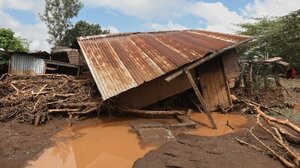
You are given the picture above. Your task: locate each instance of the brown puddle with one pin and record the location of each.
(236, 121)
(111, 144)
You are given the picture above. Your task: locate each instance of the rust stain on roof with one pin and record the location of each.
(119, 62)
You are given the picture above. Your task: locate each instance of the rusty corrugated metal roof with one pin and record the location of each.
(119, 62)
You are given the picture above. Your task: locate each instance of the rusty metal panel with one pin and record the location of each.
(26, 65)
(120, 62)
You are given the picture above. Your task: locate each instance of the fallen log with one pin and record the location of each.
(148, 112)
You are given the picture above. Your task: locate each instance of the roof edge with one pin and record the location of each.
(151, 32)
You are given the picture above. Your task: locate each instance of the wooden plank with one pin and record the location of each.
(223, 98)
(200, 98)
(226, 84)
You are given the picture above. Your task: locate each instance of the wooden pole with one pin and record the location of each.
(200, 98)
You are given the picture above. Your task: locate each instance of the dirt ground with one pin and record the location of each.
(208, 152)
(22, 142)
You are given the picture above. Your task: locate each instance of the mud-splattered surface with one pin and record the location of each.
(208, 152)
(21, 142)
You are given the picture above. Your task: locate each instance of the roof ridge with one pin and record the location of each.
(150, 32)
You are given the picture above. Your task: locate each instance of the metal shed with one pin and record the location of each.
(22, 63)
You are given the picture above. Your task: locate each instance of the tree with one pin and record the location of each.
(275, 36)
(57, 16)
(10, 43)
(82, 28)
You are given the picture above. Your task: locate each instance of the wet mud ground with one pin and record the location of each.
(93, 143)
(112, 143)
(191, 151)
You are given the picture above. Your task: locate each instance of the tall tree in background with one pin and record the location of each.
(10, 43)
(57, 16)
(275, 36)
(81, 28)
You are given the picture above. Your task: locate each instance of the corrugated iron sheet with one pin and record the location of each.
(26, 65)
(120, 62)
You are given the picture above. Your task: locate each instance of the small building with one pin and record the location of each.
(139, 69)
(22, 63)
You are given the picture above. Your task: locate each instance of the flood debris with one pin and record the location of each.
(32, 99)
(281, 131)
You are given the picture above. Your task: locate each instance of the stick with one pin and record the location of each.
(17, 90)
(280, 142)
(229, 125)
(287, 136)
(62, 110)
(277, 120)
(153, 112)
(282, 159)
(85, 112)
(40, 90)
(34, 107)
(249, 145)
(37, 119)
(64, 95)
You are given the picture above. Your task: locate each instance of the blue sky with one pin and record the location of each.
(144, 15)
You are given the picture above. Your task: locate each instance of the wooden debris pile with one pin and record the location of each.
(31, 99)
(284, 134)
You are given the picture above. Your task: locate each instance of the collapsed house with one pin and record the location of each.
(140, 69)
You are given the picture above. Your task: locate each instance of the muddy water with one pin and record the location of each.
(236, 121)
(111, 144)
(100, 144)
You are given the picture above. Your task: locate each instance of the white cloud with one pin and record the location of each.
(35, 34)
(216, 15)
(28, 5)
(144, 9)
(260, 8)
(169, 26)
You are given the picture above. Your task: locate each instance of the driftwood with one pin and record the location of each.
(249, 145)
(285, 122)
(148, 112)
(63, 110)
(286, 135)
(281, 136)
(280, 141)
(30, 99)
(282, 159)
